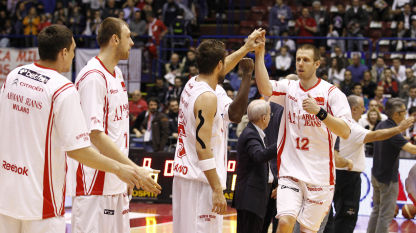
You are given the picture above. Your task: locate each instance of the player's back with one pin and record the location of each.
(186, 158)
(33, 160)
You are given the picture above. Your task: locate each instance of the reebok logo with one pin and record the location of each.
(14, 168)
(287, 187)
(108, 212)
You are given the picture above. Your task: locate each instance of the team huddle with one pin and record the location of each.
(59, 137)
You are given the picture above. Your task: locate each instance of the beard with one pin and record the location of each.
(221, 78)
(123, 54)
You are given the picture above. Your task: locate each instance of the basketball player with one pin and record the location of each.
(101, 202)
(41, 119)
(201, 154)
(315, 111)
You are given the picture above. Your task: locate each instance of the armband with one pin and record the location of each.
(322, 114)
(207, 164)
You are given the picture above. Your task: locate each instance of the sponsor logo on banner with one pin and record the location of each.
(11, 58)
(108, 212)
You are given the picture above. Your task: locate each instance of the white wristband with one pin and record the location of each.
(207, 164)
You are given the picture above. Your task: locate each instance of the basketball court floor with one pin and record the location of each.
(157, 218)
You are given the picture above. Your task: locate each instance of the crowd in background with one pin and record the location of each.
(155, 108)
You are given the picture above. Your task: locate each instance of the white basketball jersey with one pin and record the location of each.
(105, 105)
(40, 119)
(186, 158)
(305, 145)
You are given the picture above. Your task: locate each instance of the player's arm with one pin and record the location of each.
(342, 162)
(383, 134)
(204, 111)
(93, 159)
(239, 105)
(262, 77)
(232, 60)
(107, 147)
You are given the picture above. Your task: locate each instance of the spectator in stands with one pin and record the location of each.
(410, 101)
(75, 20)
(412, 34)
(322, 20)
(336, 72)
(398, 5)
(305, 26)
(137, 105)
(338, 53)
(323, 67)
(175, 91)
(154, 129)
(285, 42)
(381, 10)
(338, 24)
(20, 13)
(169, 12)
(173, 110)
(129, 8)
(333, 42)
(44, 22)
(193, 71)
(6, 30)
(398, 70)
(138, 28)
(404, 86)
(357, 69)
(400, 32)
(110, 9)
(173, 68)
(356, 19)
(368, 85)
(283, 62)
(380, 98)
(405, 16)
(377, 70)
(157, 30)
(373, 117)
(279, 17)
(347, 84)
(159, 90)
(31, 22)
(234, 79)
(365, 120)
(357, 89)
(390, 85)
(188, 61)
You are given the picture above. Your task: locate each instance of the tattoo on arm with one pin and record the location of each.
(201, 122)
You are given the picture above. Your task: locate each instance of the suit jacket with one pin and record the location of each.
(160, 130)
(252, 191)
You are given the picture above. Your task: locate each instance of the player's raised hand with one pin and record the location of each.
(147, 183)
(247, 66)
(406, 123)
(309, 105)
(219, 205)
(255, 39)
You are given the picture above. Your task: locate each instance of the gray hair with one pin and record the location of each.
(353, 100)
(256, 109)
(393, 105)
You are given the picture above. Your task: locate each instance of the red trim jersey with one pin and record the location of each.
(186, 158)
(105, 105)
(40, 118)
(305, 146)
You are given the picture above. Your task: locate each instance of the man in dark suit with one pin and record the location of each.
(271, 137)
(254, 176)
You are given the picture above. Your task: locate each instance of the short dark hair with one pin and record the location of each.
(393, 105)
(109, 27)
(316, 54)
(411, 110)
(153, 99)
(52, 39)
(208, 54)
